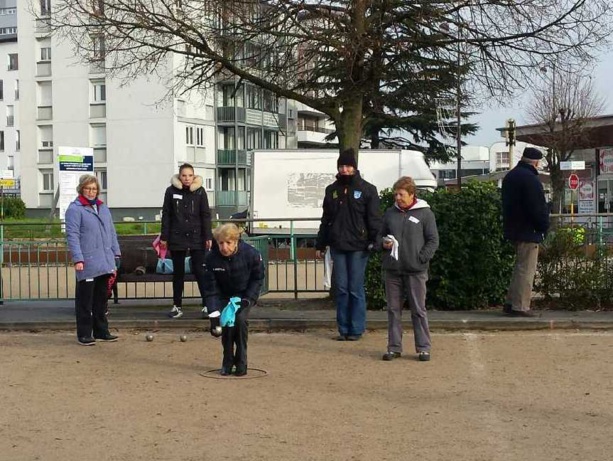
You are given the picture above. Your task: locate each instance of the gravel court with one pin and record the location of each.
(484, 396)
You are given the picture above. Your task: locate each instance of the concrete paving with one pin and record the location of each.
(279, 315)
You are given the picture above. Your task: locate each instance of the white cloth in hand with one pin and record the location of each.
(395, 246)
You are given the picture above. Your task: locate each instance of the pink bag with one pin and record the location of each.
(161, 252)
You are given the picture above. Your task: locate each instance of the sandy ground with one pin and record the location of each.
(501, 396)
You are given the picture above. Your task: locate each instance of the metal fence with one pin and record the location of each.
(36, 264)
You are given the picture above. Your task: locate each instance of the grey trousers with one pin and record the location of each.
(520, 288)
(412, 288)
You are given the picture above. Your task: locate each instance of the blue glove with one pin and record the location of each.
(228, 315)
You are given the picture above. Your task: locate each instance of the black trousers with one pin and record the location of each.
(234, 341)
(90, 307)
(178, 273)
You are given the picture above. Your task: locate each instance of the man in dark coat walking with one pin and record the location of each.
(525, 217)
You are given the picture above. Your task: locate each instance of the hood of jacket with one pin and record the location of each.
(418, 204)
(177, 184)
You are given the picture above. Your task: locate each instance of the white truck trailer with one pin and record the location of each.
(291, 183)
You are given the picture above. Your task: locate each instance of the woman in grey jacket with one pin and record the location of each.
(409, 237)
(92, 242)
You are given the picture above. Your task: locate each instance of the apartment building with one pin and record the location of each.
(139, 134)
(10, 134)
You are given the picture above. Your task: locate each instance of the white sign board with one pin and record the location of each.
(73, 162)
(574, 165)
(587, 206)
(7, 174)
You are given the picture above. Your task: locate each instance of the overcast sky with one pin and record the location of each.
(493, 118)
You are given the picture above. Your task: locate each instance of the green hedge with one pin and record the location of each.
(473, 264)
(14, 208)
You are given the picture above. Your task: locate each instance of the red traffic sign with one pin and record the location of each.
(573, 181)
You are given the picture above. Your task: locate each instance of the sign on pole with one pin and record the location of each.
(573, 165)
(573, 181)
(73, 162)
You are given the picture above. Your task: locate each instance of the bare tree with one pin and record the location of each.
(325, 53)
(562, 106)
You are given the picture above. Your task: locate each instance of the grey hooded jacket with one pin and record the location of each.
(417, 235)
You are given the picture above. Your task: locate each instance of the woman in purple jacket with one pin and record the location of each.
(92, 242)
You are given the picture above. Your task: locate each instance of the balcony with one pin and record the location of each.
(99, 155)
(97, 110)
(230, 114)
(232, 198)
(44, 113)
(43, 69)
(45, 156)
(233, 157)
(10, 120)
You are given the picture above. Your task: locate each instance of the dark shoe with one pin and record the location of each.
(215, 327)
(240, 371)
(354, 337)
(507, 309)
(87, 341)
(529, 313)
(423, 356)
(225, 371)
(109, 338)
(341, 338)
(389, 356)
(176, 312)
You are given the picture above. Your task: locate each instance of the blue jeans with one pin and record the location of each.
(348, 272)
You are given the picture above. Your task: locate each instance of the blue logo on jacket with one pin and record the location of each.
(357, 194)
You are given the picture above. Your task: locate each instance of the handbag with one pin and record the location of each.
(161, 252)
(164, 266)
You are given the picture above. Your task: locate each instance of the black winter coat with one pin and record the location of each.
(525, 215)
(241, 275)
(351, 216)
(186, 216)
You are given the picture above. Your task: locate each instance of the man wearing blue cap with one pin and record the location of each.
(525, 220)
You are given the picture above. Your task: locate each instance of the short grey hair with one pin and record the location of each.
(86, 180)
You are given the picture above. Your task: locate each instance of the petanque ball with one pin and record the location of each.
(149, 338)
(183, 338)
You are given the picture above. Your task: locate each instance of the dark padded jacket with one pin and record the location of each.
(525, 216)
(186, 216)
(241, 275)
(417, 235)
(351, 217)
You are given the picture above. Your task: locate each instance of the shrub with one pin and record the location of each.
(568, 277)
(14, 208)
(473, 264)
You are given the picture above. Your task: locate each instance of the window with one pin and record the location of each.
(189, 135)
(45, 133)
(99, 47)
(502, 158)
(47, 179)
(17, 140)
(199, 136)
(1, 140)
(98, 91)
(254, 97)
(45, 53)
(45, 7)
(98, 135)
(208, 183)
(13, 61)
(8, 30)
(10, 116)
(1, 90)
(102, 179)
(7, 11)
(16, 90)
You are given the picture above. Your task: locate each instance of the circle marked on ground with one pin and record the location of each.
(252, 373)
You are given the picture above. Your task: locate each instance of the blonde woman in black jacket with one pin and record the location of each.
(186, 227)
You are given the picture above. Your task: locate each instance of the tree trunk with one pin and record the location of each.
(349, 125)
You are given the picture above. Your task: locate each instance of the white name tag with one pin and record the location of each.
(413, 219)
(177, 196)
(89, 280)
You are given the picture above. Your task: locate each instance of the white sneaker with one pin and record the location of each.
(205, 313)
(175, 312)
